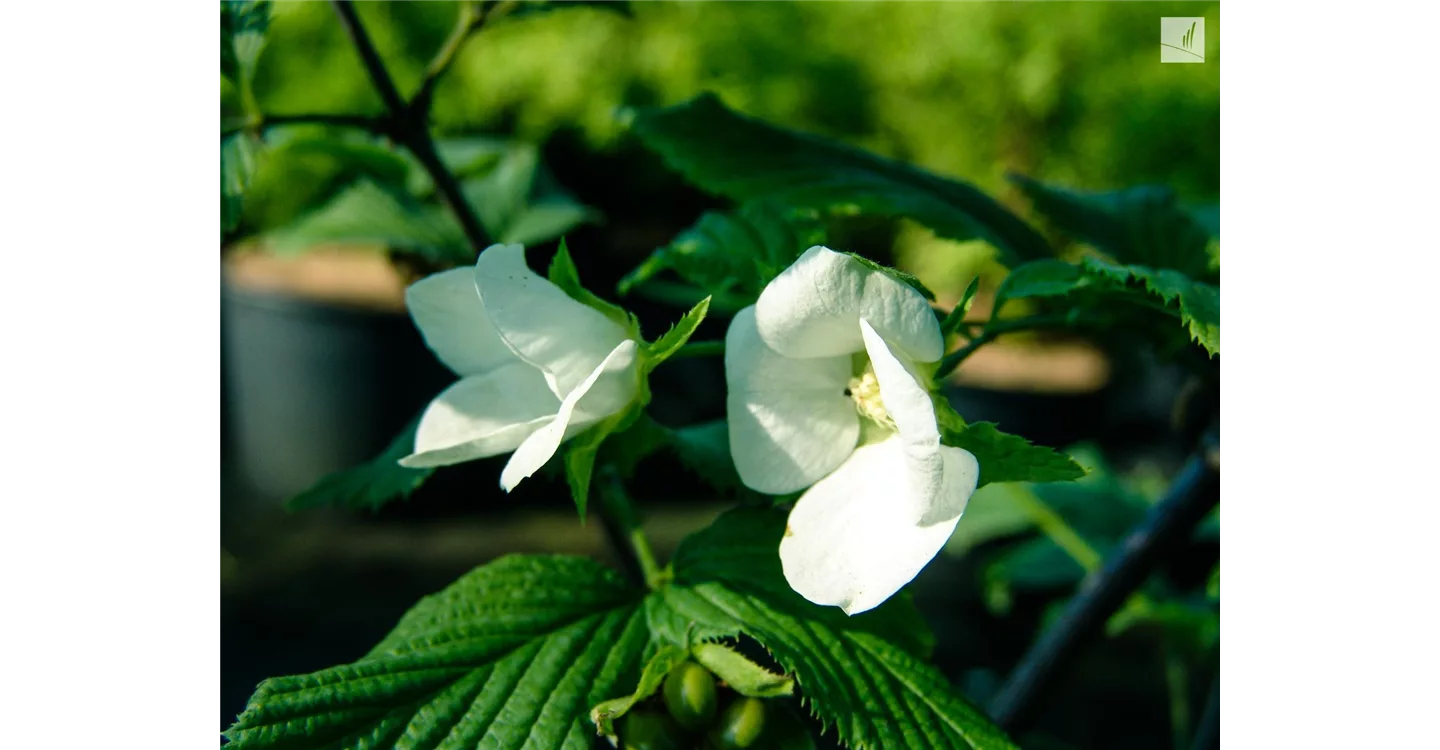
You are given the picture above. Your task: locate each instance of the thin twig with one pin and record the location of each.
(472, 19)
(995, 329)
(622, 527)
(1190, 497)
(413, 132)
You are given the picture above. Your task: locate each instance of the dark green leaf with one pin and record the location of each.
(518, 202)
(676, 337)
(1144, 225)
(243, 24)
(367, 213)
(704, 449)
(565, 275)
(1039, 278)
(580, 454)
(1196, 303)
(745, 159)
(734, 253)
(239, 155)
(513, 654)
(1011, 458)
(858, 674)
(369, 485)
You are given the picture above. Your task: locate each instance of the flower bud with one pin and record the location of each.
(690, 696)
(740, 726)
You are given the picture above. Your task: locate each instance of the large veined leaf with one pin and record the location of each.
(370, 485)
(734, 253)
(1141, 225)
(744, 158)
(1197, 303)
(512, 655)
(860, 676)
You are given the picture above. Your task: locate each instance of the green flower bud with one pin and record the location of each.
(646, 730)
(690, 696)
(740, 726)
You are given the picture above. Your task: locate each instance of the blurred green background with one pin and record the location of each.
(1072, 93)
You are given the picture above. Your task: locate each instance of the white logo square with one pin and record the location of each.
(1182, 40)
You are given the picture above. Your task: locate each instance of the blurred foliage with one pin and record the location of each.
(1068, 93)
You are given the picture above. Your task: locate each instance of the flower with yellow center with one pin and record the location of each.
(826, 392)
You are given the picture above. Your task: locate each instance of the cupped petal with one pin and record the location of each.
(541, 445)
(539, 322)
(482, 415)
(813, 308)
(446, 308)
(790, 420)
(851, 540)
(908, 404)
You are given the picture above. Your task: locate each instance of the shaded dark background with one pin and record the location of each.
(321, 367)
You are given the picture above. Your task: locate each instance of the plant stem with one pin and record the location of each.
(622, 525)
(1190, 497)
(993, 330)
(700, 349)
(377, 125)
(472, 19)
(1060, 532)
(411, 128)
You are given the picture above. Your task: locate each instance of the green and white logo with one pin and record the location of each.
(1182, 40)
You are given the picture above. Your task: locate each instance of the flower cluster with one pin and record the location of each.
(829, 378)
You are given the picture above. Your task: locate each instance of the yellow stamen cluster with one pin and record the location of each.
(865, 390)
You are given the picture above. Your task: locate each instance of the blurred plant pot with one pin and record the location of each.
(1051, 393)
(320, 365)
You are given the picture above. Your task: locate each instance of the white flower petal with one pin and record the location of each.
(812, 309)
(851, 541)
(908, 403)
(482, 415)
(539, 322)
(446, 308)
(790, 420)
(541, 445)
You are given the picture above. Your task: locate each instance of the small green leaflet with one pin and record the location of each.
(859, 675)
(1011, 458)
(744, 159)
(733, 254)
(369, 485)
(896, 274)
(565, 275)
(603, 715)
(742, 675)
(1198, 302)
(952, 322)
(1038, 278)
(1143, 225)
(668, 344)
(513, 654)
(580, 454)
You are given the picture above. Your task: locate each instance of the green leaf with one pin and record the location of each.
(367, 213)
(1144, 225)
(604, 714)
(744, 158)
(1197, 303)
(513, 654)
(518, 202)
(239, 156)
(859, 674)
(734, 253)
(676, 337)
(952, 322)
(242, 35)
(704, 449)
(991, 513)
(896, 274)
(369, 485)
(1011, 458)
(742, 675)
(1038, 278)
(580, 453)
(565, 275)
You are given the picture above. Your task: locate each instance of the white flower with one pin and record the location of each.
(535, 366)
(830, 348)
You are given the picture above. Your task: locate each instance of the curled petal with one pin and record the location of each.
(541, 445)
(813, 309)
(482, 415)
(846, 545)
(539, 322)
(908, 404)
(446, 308)
(790, 420)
